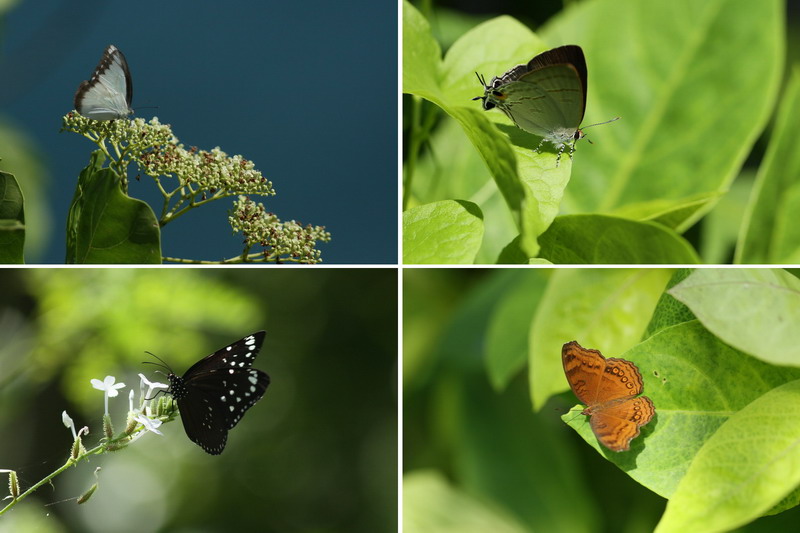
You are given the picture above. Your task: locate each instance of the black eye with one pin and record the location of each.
(487, 105)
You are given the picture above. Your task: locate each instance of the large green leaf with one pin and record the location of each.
(107, 226)
(769, 233)
(754, 310)
(432, 505)
(744, 469)
(12, 220)
(446, 232)
(432, 180)
(507, 336)
(669, 311)
(603, 239)
(694, 82)
(529, 182)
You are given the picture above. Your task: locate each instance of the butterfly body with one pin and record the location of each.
(107, 95)
(610, 389)
(215, 393)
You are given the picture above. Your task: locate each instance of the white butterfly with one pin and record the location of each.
(108, 93)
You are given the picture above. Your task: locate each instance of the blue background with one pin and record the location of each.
(306, 90)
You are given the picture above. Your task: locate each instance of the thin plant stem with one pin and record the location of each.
(70, 462)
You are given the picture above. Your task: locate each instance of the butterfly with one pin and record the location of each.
(108, 93)
(545, 97)
(214, 394)
(610, 389)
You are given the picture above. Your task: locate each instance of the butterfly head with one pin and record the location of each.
(492, 97)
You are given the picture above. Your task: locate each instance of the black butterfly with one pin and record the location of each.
(216, 391)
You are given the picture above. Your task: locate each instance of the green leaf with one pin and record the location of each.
(448, 232)
(769, 233)
(602, 239)
(23, 157)
(421, 56)
(696, 383)
(754, 310)
(431, 182)
(606, 309)
(502, 449)
(689, 119)
(462, 343)
(670, 311)
(107, 226)
(720, 229)
(530, 183)
(742, 470)
(507, 337)
(12, 220)
(430, 504)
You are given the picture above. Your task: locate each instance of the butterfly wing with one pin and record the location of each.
(620, 379)
(615, 425)
(215, 402)
(595, 379)
(546, 102)
(108, 93)
(215, 392)
(240, 354)
(565, 55)
(584, 370)
(203, 422)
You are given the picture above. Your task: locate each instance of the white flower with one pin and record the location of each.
(151, 385)
(108, 386)
(149, 424)
(69, 423)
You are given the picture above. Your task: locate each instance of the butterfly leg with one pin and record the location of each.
(560, 151)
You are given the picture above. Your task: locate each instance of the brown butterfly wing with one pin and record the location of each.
(620, 379)
(584, 370)
(595, 379)
(616, 425)
(608, 387)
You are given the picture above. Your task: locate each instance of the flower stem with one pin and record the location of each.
(70, 462)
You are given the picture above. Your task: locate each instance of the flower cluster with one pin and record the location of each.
(210, 171)
(281, 240)
(128, 138)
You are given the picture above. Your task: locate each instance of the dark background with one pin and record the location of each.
(307, 91)
(317, 453)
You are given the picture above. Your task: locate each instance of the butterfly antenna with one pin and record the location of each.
(163, 363)
(483, 82)
(601, 123)
(579, 413)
